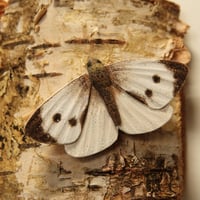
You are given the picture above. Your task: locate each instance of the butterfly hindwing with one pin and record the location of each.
(59, 119)
(99, 131)
(154, 83)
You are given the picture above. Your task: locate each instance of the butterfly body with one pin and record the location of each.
(101, 80)
(86, 114)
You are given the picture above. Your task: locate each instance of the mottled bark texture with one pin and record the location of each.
(44, 45)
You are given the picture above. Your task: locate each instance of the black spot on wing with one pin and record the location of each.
(148, 93)
(57, 117)
(35, 130)
(72, 121)
(180, 72)
(156, 79)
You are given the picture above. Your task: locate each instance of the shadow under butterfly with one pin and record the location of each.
(85, 114)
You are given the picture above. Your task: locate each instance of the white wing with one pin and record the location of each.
(59, 119)
(99, 131)
(138, 118)
(153, 82)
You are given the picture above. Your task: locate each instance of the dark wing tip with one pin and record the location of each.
(180, 71)
(34, 129)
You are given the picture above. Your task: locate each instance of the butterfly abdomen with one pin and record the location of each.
(109, 99)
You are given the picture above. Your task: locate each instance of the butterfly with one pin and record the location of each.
(86, 114)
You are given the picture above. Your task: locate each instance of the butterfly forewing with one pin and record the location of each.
(99, 131)
(59, 119)
(138, 118)
(154, 83)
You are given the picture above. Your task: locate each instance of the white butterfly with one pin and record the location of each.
(85, 114)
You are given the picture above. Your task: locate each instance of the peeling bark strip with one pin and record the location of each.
(44, 75)
(67, 33)
(45, 46)
(95, 41)
(17, 41)
(40, 14)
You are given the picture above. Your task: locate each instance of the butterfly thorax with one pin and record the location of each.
(100, 78)
(99, 74)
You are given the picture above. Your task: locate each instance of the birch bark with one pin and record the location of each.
(44, 45)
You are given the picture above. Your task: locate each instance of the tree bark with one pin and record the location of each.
(44, 45)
